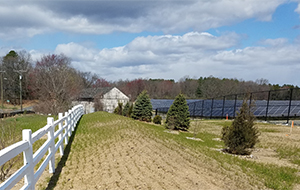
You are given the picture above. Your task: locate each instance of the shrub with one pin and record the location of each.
(157, 119)
(242, 134)
(119, 109)
(130, 110)
(178, 116)
(142, 109)
(126, 110)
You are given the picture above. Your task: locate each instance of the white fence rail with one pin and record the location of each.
(66, 125)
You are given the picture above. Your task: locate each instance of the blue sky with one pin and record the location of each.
(283, 23)
(122, 39)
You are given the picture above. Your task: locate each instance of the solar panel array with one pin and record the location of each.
(282, 103)
(166, 103)
(219, 108)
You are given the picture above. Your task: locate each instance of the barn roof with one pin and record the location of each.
(90, 93)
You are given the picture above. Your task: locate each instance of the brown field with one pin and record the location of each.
(132, 159)
(113, 152)
(10, 107)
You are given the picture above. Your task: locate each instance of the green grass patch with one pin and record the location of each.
(32, 121)
(220, 122)
(268, 130)
(290, 152)
(20, 122)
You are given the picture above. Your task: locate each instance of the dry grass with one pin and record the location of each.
(113, 152)
(124, 154)
(278, 144)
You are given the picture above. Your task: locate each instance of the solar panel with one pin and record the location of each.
(219, 108)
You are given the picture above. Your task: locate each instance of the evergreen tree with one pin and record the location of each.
(178, 116)
(142, 109)
(126, 110)
(242, 134)
(130, 110)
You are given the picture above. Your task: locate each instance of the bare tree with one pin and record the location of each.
(98, 105)
(55, 83)
(188, 86)
(88, 79)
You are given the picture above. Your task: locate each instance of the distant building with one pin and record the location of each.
(108, 96)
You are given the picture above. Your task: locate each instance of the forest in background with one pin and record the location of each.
(201, 88)
(54, 82)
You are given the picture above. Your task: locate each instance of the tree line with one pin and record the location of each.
(201, 88)
(55, 83)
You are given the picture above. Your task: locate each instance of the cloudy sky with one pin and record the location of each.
(170, 39)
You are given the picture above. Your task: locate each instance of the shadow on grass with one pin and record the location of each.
(53, 180)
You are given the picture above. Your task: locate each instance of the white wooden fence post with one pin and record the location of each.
(50, 121)
(30, 177)
(70, 123)
(28, 159)
(66, 128)
(60, 126)
(76, 116)
(72, 118)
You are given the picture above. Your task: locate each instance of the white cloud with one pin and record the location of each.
(183, 44)
(298, 9)
(274, 42)
(193, 54)
(76, 52)
(152, 50)
(29, 18)
(170, 56)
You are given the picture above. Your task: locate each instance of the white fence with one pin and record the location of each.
(66, 124)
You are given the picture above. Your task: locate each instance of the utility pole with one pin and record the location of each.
(20, 77)
(2, 88)
(21, 92)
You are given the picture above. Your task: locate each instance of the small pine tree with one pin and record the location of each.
(242, 134)
(130, 110)
(126, 110)
(142, 109)
(178, 116)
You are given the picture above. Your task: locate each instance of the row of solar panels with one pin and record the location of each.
(220, 108)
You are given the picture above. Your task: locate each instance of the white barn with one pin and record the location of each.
(108, 96)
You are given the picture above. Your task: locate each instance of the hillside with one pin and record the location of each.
(113, 152)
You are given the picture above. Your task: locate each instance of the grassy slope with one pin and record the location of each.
(103, 128)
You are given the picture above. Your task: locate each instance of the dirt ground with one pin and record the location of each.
(138, 161)
(131, 159)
